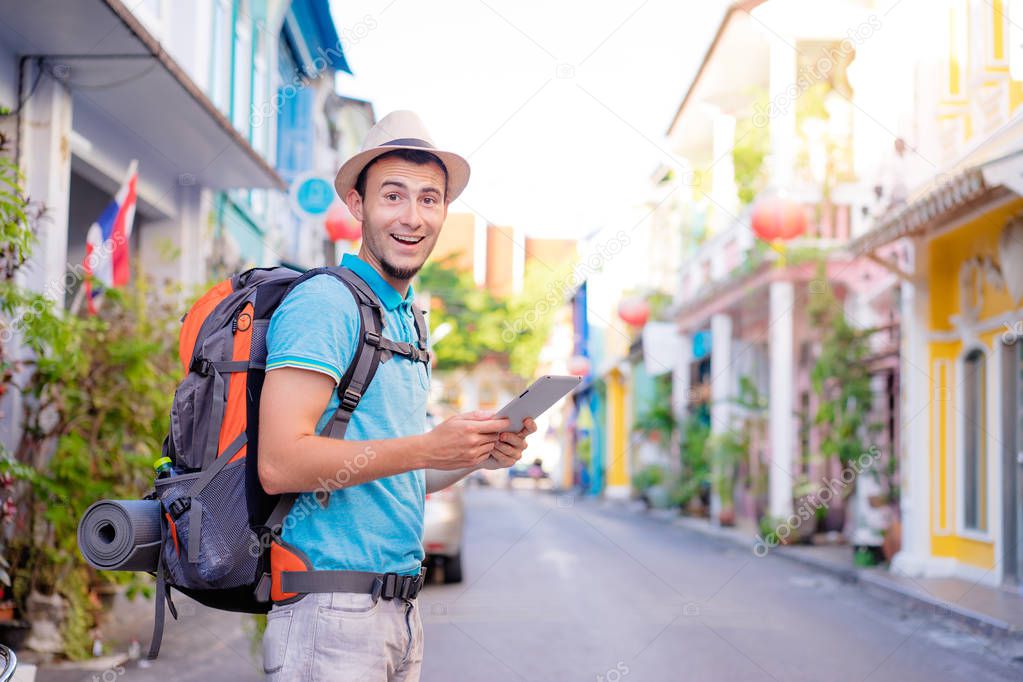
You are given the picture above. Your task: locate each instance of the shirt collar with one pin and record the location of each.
(387, 294)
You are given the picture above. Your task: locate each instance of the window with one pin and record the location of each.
(241, 108)
(262, 112)
(220, 63)
(975, 441)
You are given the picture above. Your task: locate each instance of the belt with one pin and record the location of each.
(386, 585)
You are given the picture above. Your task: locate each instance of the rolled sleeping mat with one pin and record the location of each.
(121, 535)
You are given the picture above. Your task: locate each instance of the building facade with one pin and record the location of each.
(191, 91)
(962, 300)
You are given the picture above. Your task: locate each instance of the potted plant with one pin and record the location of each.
(726, 449)
(12, 630)
(646, 483)
(692, 491)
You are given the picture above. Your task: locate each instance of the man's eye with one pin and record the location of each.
(430, 200)
(391, 197)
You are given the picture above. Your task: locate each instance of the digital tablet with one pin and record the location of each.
(536, 399)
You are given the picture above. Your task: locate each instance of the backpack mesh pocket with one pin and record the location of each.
(228, 549)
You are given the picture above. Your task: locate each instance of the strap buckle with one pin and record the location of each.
(390, 587)
(201, 366)
(179, 506)
(372, 338)
(350, 399)
(394, 586)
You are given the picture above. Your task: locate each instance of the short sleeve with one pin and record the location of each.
(314, 328)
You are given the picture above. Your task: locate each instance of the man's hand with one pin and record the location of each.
(509, 447)
(463, 441)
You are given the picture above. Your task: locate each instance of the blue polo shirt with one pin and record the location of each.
(375, 526)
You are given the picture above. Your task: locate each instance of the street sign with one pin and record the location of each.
(311, 195)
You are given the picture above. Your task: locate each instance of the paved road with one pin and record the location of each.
(563, 590)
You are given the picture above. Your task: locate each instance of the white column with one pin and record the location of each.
(915, 503)
(46, 162)
(720, 383)
(44, 137)
(782, 421)
(680, 386)
(680, 377)
(720, 371)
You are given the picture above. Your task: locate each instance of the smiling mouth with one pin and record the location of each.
(406, 239)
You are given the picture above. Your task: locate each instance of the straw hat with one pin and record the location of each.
(401, 130)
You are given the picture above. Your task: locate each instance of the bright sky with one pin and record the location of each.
(558, 105)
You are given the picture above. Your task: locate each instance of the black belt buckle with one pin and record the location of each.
(415, 586)
(390, 586)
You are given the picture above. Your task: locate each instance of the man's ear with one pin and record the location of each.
(354, 203)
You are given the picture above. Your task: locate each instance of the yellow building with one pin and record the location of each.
(960, 253)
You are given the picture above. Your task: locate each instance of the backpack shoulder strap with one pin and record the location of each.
(422, 330)
(357, 376)
(366, 359)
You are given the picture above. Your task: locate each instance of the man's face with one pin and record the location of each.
(402, 213)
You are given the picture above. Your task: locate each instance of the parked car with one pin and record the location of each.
(443, 522)
(442, 532)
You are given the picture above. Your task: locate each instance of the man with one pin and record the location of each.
(399, 186)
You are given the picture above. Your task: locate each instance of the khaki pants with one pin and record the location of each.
(343, 636)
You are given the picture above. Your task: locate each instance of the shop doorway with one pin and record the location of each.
(1012, 463)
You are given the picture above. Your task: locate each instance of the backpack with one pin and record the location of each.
(220, 537)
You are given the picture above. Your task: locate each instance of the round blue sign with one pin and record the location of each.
(313, 195)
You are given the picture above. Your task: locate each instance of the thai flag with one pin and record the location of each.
(106, 244)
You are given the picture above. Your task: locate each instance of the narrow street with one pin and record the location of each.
(559, 589)
(562, 590)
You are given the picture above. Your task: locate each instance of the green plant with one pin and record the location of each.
(657, 421)
(841, 379)
(96, 395)
(769, 526)
(472, 315)
(695, 468)
(647, 478)
(726, 450)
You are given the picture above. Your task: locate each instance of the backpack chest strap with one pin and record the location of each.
(415, 353)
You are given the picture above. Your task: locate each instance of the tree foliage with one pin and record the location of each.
(478, 324)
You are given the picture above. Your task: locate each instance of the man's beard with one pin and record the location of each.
(398, 273)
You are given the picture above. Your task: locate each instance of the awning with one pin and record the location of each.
(946, 200)
(312, 18)
(104, 55)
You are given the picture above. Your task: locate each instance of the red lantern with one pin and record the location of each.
(579, 365)
(341, 224)
(778, 218)
(634, 311)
